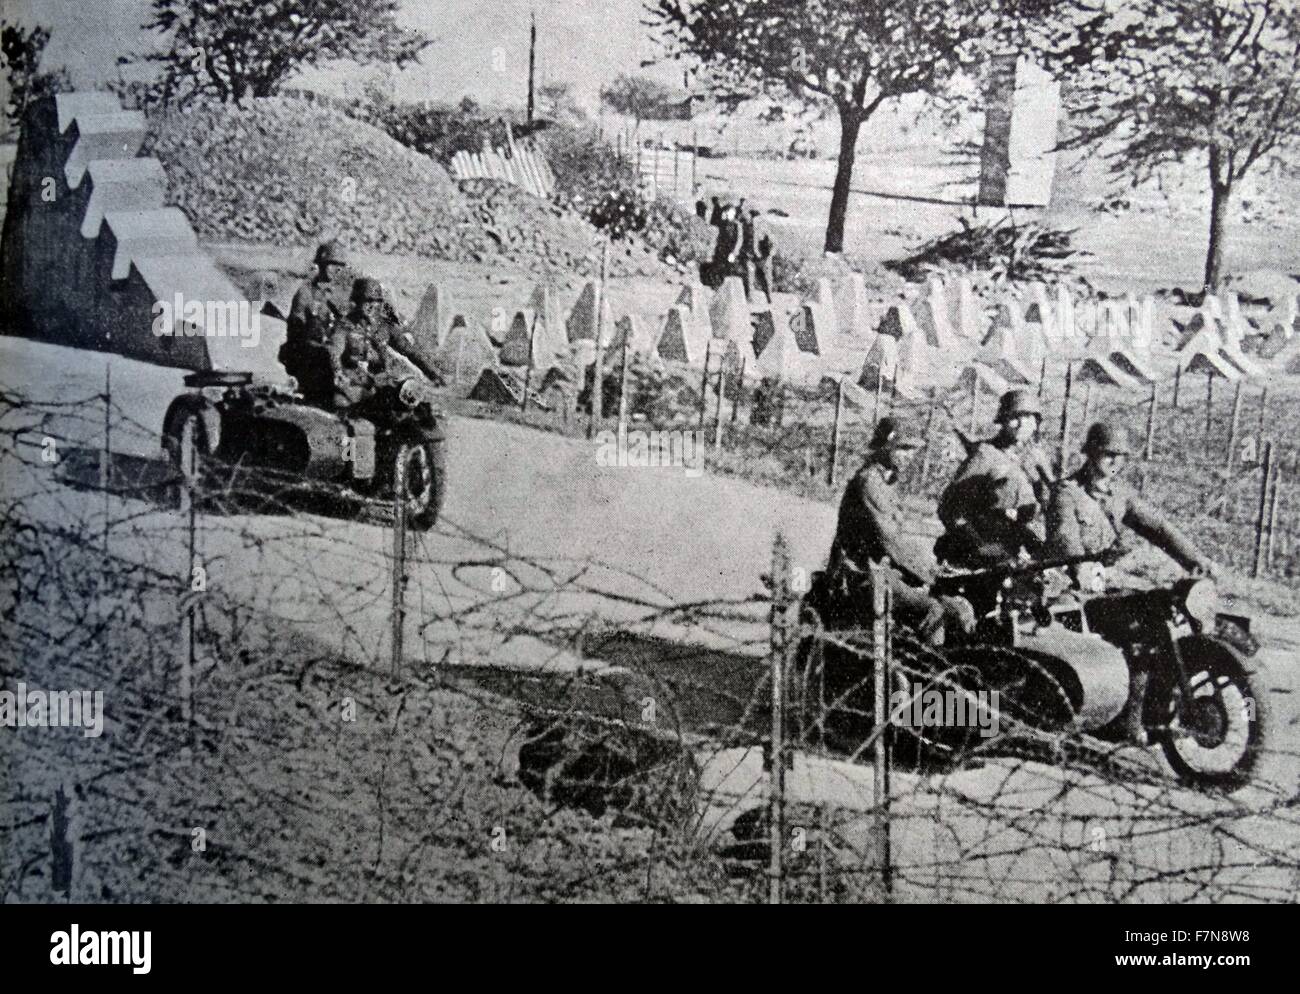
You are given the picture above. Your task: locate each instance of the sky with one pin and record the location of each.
(480, 46)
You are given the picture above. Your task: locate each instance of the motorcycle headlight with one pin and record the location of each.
(410, 393)
(1201, 602)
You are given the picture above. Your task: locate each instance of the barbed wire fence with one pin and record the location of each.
(302, 702)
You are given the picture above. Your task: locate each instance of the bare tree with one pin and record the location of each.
(1156, 82)
(852, 55)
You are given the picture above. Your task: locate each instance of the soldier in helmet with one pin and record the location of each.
(992, 509)
(1091, 511)
(317, 307)
(358, 345)
(870, 529)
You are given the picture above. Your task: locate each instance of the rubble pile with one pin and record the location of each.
(281, 170)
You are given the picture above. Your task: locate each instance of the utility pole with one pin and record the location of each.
(532, 66)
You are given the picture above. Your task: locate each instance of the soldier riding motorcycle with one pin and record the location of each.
(371, 425)
(1192, 685)
(1062, 663)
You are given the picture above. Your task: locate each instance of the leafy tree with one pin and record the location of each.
(642, 98)
(238, 48)
(1154, 82)
(850, 55)
(20, 53)
(559, 103)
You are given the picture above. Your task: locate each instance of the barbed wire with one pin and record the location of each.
(618, 755)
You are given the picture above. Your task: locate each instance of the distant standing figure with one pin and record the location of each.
(701, 210)
(726, 249)
(715, 216)
(749, 249)
(763, 265)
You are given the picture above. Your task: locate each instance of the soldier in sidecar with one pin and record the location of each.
(952, 622)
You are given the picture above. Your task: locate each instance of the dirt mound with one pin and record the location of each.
(282, 170)
(542, 235)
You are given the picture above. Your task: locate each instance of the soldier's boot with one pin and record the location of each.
(1134, 730)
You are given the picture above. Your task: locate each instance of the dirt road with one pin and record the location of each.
(538, 542)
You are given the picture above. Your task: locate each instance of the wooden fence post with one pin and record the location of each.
(704, 385)
(974, 402)
(106, 461)
(1149, 451)
(780, 635)
(1236, 423)
(1209, 405)
(835, 432)
(740, 391)
(880, 638)
(1063, 456)
(399, 578)
(622, 392)
(925, 449)
(1272, 515)
(65, 841)
(717, 411)
(1266, 464)
(1178, 380)
(598, 375)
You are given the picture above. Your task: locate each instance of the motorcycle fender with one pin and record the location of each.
(1235, 630)
(207, 412)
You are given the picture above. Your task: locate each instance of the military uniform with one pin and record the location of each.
(357, 360)
(1087, 516)
(871, 528)
(991, 508)
(317, 307)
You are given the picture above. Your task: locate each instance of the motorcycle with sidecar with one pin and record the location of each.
(392, 442)
(1061, 661)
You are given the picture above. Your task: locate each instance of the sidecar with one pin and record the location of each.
(227, 425)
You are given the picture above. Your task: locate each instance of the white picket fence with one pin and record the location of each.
(526, 168)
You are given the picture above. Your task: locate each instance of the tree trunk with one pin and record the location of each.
(1220, 195)
(850, 126)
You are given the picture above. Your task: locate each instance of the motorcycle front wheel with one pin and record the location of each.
(420, 474)
(1213, 738)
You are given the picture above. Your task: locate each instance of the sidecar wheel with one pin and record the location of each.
(1214, 741)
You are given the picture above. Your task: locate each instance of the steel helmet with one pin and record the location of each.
(889, 434)
(1016, 403)
(365, 290)
(1107, 439)
(332, 253)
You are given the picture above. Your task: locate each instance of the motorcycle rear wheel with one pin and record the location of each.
(1214, 740)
